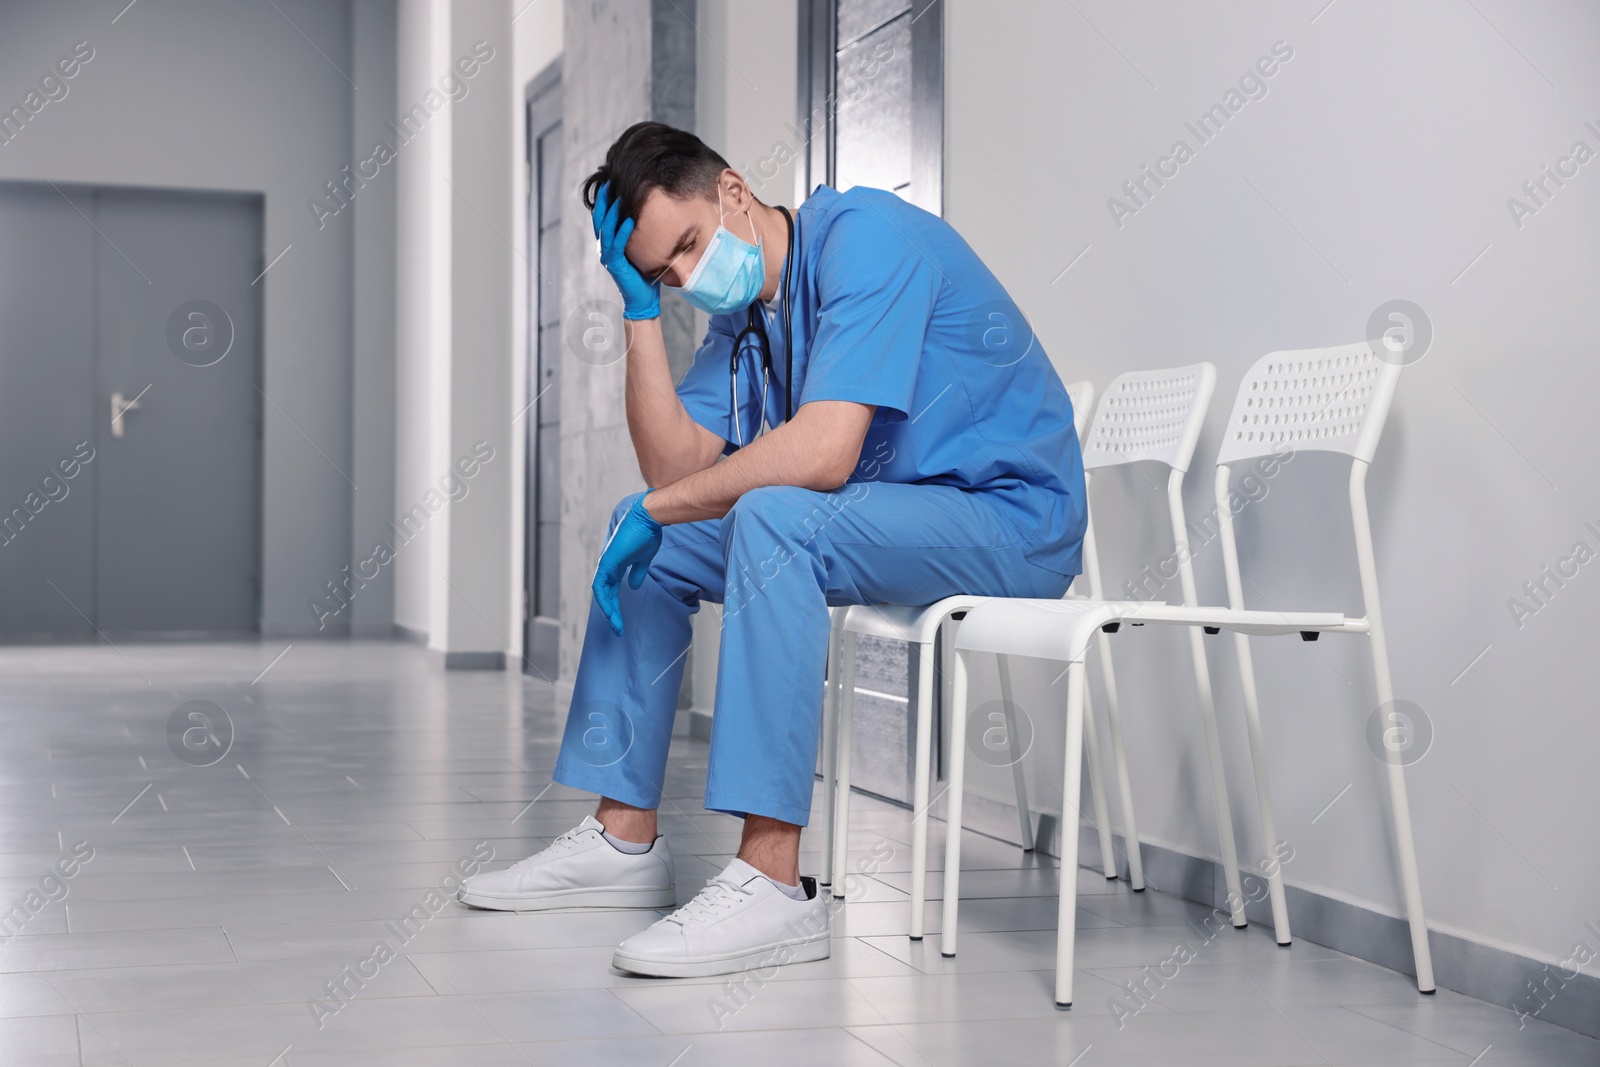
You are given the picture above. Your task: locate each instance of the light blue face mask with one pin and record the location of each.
(730, 273)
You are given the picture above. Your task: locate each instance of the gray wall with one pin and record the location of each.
(606, 82)
(481, 349)
(224, 94)
(1378, 166)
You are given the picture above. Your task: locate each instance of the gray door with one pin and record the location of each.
(542, 630)
(48, 412)
(159, 532)
(873, 73)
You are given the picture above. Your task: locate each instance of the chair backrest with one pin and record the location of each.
(1082, 396)
(1314, 400)
(1151, 415)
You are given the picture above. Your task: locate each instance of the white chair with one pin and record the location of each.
(1156, 417)
(917, 625)
(1331, 400)
(1145, 416)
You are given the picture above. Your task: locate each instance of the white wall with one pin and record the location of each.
(462, 279)
(482, 351)
(422, 294)
(745, 97)
(1378, 166)
(225, 94)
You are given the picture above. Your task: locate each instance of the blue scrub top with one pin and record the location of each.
(892, 307)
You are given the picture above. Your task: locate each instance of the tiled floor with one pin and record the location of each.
(221, 899)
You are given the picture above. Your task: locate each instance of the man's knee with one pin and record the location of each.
(784, 510)
(767, 529)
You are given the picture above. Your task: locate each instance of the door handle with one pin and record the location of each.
(119, 407)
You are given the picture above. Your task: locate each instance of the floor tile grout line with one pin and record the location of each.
(498, 1032)
(1353, 1009)
(909, 1044)
(1286, 1019)
(612, 989)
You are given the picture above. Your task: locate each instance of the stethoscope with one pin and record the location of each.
(756, 328)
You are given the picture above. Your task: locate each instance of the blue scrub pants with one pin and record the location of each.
(776, 562)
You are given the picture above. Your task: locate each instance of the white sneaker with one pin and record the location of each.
(740, 920)
(580, 869)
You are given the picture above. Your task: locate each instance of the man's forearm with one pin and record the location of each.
(817, 450)
(669, 444)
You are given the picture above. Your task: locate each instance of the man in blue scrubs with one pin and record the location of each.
(930, 451)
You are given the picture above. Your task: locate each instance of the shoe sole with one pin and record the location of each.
(618, 897)
(800, 951)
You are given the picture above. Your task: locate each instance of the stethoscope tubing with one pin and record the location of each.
(756, 327)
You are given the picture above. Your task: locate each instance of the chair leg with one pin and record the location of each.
(1258, 759)
(1097, 790)
(830, 746)
(1400, 809)
(1130, 828)
(1410, 877)
(919, 790)
(1019, 779)
(952, 830)
(847, 704)
(1219, 783)
(1399, 804)
(1072, 788)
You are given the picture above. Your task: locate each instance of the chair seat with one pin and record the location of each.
(1060, 630)
(905, 622)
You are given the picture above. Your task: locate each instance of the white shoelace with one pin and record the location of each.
(718, 894)
(560, 844)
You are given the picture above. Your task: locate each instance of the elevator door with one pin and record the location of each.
(134, 363)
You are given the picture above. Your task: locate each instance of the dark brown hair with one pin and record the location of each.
(653, 155)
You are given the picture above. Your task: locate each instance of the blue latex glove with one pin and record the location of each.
(640, 299)
(631, 547)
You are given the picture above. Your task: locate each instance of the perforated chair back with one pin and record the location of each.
(1151, 415)
(1082, 396)
(1311, 400)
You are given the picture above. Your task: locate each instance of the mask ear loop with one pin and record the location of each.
(755, 238)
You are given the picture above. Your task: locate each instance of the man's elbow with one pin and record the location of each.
(654, 477)
(830, 472)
